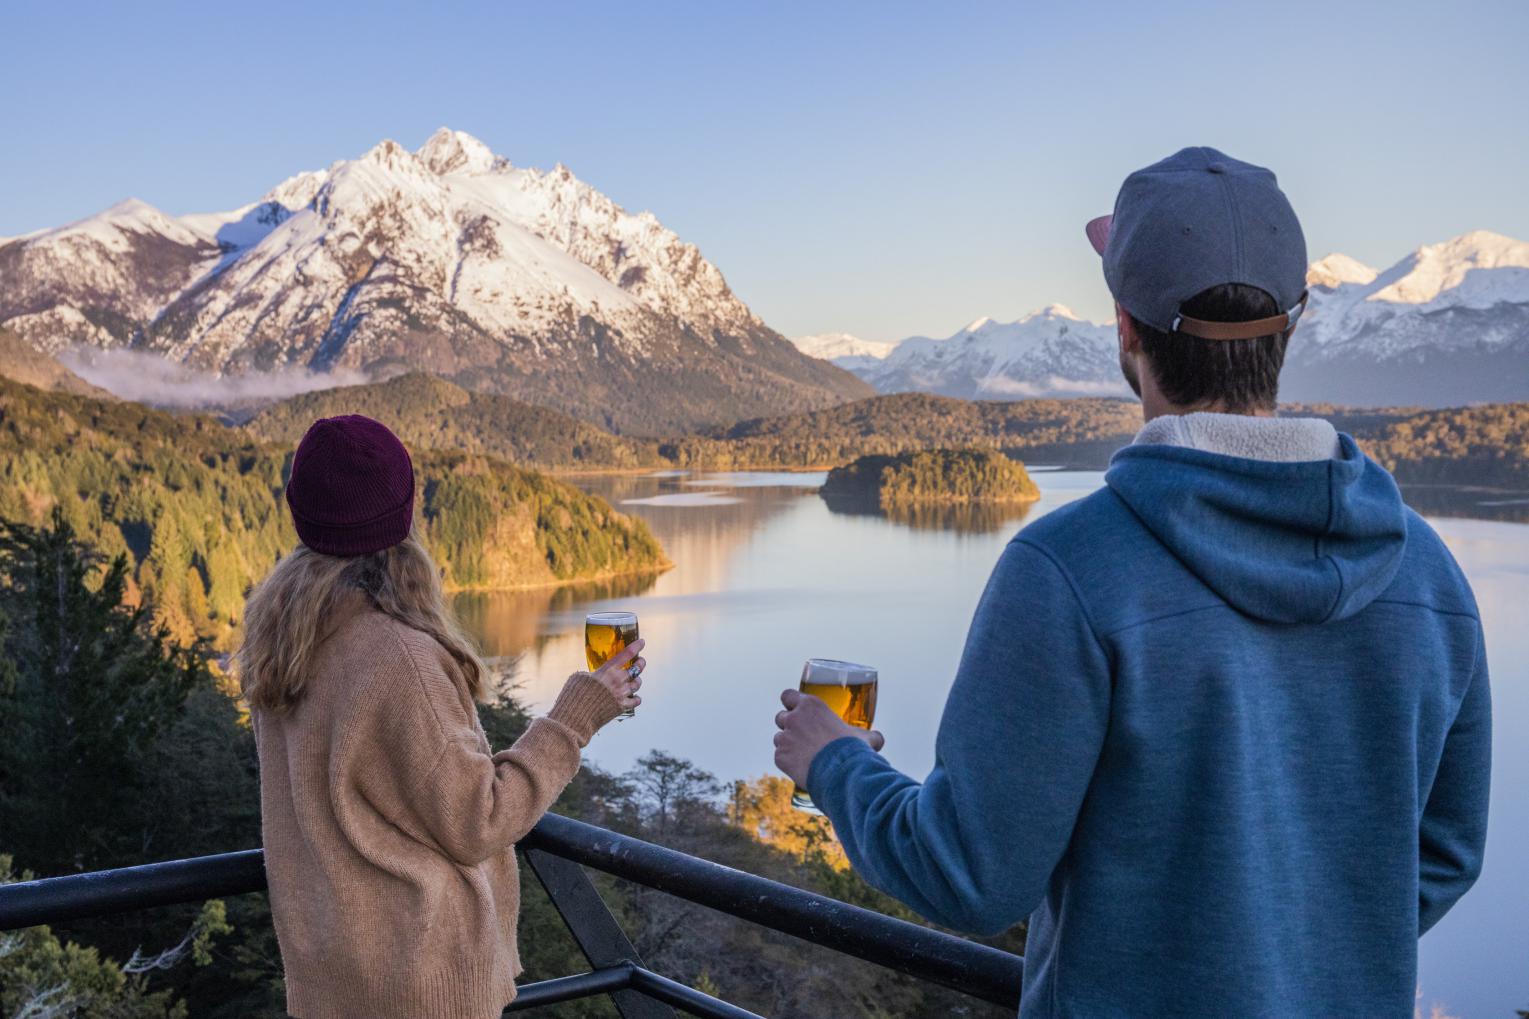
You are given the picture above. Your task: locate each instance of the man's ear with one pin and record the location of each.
(1130, 342)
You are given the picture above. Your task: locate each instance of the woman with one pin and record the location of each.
(388, 824)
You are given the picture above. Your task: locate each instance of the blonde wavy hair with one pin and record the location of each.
(289, 613)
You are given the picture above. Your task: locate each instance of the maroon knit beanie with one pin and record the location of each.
(352, 487)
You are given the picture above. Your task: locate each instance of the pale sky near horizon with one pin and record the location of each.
(884, 170)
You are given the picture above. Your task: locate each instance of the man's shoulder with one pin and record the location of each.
(1117, 568)
(1096, 528)
(1429, 576)
(1079, 521)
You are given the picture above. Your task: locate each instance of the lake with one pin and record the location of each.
(767, 575)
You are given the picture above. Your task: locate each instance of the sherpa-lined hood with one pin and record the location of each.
(1288, 542)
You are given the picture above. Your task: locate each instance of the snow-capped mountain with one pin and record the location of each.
(1051, 352)
(848, 352)
(1447, 325)
(447, 258)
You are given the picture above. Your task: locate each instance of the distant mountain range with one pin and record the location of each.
(445, 259)
(1447, 325)
(1049, 353)
(848, 352)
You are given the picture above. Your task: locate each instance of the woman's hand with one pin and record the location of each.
(622, 675)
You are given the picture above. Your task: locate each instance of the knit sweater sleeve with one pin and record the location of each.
(448, 790)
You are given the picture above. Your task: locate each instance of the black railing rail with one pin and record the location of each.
(557, 850)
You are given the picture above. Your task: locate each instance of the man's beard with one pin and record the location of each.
(1128, 369)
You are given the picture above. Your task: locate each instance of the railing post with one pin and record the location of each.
(589, 920)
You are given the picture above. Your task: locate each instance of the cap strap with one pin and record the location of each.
(1207, 330)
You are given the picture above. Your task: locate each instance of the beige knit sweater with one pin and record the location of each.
(389, 827)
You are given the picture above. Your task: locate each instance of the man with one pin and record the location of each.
(1221, 729)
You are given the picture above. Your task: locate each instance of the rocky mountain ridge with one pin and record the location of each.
(447, 259)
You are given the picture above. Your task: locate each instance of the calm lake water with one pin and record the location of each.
(766, 575)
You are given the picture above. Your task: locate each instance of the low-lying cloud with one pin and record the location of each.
(1002, 388)
(149, 378)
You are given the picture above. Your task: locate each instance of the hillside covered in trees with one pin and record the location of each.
(1486, 446)
(429, 412)
(196, 507)
(905, 422)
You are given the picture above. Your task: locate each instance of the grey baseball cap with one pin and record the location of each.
(1193, 221)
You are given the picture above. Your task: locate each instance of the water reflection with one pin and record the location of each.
(972, 518)
(508, 622)
(1470, 503)
(703, 521)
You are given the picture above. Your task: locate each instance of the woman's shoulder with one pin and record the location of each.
(388, 655)
(371, 636)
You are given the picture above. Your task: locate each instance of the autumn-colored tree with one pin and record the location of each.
(762, 808)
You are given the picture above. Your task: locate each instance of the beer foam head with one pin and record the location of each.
(829, 670)
(611, 618)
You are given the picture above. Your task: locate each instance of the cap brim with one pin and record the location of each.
(1098, 231)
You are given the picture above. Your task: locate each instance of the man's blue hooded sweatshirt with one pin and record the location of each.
(1221, 731)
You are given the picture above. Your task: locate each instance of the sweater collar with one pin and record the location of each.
(1284, 440)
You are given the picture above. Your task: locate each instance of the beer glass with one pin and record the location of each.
(847, 688)
(607, 634)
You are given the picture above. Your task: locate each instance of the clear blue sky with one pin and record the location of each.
(878, 169)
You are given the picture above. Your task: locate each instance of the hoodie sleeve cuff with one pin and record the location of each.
(584, 705)
(828, 771)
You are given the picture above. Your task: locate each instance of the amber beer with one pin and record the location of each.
(607, 634)
(847, 688)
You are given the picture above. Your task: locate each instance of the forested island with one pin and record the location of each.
(932, 477)
(196, 507)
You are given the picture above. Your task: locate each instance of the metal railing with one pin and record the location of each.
(557, 850)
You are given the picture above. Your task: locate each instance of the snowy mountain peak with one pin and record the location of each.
(1054, 311)
(112, 227)
(1336, 269)
(1461, 262)
(837, 347)
(1050, 352)
(1482, 246)
(297, 191)
(389, 155)
(449, 151)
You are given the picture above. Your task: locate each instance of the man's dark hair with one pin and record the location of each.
(1238, 375)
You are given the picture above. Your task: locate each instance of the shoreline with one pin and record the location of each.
(653, 571)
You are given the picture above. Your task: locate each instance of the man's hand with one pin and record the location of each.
(806, 727)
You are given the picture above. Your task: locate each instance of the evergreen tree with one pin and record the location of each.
(89, 684)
